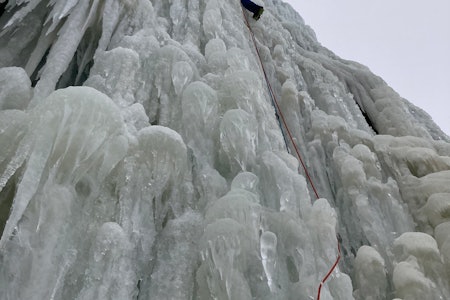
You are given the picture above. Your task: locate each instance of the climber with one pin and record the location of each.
(256, 9)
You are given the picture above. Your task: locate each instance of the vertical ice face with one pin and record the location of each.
(15, 88)
(75, 138)
(269, 257)
(141, 157)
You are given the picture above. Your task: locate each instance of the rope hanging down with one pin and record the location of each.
(278, 109)
(294, 144)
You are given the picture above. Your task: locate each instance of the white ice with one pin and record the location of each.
(142, 157)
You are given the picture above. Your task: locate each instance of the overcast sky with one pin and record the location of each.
(406, 42)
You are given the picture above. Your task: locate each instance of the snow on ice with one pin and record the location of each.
(141, 157)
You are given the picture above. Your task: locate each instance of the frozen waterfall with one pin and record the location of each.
(141, 157)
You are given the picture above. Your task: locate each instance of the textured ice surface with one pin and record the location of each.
(141, 157)
(15, 88)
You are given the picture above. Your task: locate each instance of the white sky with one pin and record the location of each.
(405, 42)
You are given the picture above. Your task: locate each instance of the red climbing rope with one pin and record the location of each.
(330, 271)
(278, 109)
(294, 144)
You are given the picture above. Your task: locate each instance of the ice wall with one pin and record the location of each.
(141, 158)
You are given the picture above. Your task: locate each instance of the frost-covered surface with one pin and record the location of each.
(166, 175)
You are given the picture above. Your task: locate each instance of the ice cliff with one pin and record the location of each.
(141, 158)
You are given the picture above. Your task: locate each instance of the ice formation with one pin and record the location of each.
(141, 158)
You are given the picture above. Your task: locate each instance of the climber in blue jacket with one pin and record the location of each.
(254, 8)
